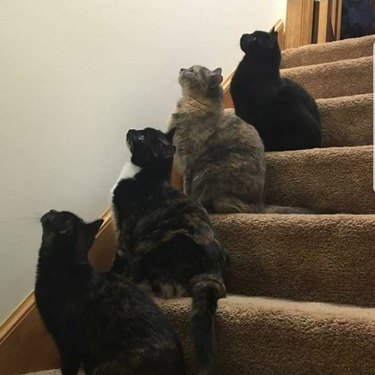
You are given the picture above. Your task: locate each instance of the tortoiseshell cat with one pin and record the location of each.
(282, 111)
(167, 242)
(220, 156)
(102, 321)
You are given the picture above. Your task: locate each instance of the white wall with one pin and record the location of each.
(74, 75)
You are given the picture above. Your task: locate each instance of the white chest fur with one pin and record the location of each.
(128, 172)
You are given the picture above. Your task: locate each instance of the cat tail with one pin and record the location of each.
(270, 209)
(207, 289)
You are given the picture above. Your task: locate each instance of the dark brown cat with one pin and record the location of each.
(167, 243)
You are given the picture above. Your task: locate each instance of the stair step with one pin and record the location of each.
(322, 258)
(336, 178)
(347, 121)
(327, 52)
(333, 79)
(276, 337)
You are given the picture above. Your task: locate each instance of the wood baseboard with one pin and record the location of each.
(299, 23)
(25, 344)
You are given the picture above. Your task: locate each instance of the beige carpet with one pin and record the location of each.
(321, 258)
(336, 178)
(347, 120)
(333, 79)
(321, 53)
(326, 258)
(267, 336)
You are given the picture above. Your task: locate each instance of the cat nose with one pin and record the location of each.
(52, 215)
(130, 134)
(182, 70)
(49, 216)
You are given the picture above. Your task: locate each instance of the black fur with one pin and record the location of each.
(284, 113)
(103, 322)
(167, 242)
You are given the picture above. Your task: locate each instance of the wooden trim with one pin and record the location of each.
(330, 17)
(315, 22)
(299, 23)
(228, 103)
(280, 29)
(16, 317)
(25, 344)
(324, 20)
(338, 19)
(103, 250)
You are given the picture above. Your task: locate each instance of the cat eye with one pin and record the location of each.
(66, 227)
(141, 137)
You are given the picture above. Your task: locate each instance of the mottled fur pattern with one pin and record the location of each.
(221, 157)
(167, 242)
(100, 321)
(283, 112)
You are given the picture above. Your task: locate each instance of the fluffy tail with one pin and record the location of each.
(206, 291)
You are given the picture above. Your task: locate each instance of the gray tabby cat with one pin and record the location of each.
(221, 156)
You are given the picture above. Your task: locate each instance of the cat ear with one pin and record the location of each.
(170, 135)
(168, 151)
(85, 241)
(218, 71)
(216, 78)
(163, 151)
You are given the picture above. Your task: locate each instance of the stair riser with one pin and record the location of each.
(256, 340)
(326, 259)
(347, 121)
(334, 179)
(341, 78)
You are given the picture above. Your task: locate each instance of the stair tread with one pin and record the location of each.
(333, 79)
(255, 305)
(326, 52)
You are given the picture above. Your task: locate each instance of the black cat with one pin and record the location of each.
(167, 242)
(101, 321)
(284, 113)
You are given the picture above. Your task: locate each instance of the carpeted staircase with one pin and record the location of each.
(302, 288)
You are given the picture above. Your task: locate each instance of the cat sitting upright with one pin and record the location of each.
(220, 156)
(283, 112)
(167, 243)
(102, 321)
